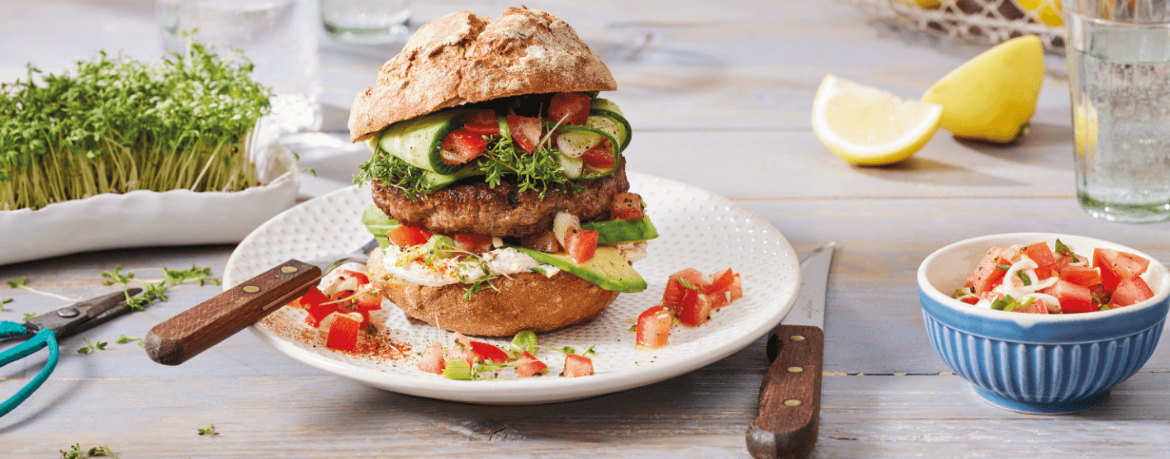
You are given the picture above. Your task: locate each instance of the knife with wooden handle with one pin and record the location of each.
(790, 397)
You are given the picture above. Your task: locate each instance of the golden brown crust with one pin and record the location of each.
(463, 58)
(527, 301)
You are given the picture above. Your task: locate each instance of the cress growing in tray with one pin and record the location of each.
(1038, 280)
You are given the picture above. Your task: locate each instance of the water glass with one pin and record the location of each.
(1119, 81)
(279, 36)
(366, 22)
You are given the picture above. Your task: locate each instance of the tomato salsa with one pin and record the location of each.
(1037, 279)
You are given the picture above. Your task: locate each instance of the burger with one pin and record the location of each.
(500, 193)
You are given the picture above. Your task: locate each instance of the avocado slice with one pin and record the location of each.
(615, 231)
(607, 269)
(378, 224)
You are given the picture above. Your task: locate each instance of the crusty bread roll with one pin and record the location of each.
(527, 301)
(463, 58)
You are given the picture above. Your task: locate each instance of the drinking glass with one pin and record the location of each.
(366, 22)
(279, 36)
(1119, 81)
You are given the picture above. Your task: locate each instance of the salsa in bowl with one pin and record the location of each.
(1038, 363)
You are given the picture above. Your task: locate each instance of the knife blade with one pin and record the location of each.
(790, 396)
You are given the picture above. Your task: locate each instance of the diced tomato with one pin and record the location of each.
(1117, 266)
(987, 274)
(678, 283)
(408, 236)
(1081, 275)
(970, 299)
(313, 297)
(482, 122)
(1042, 255)
(361, 277)
(462, 146)
(1073, 298)
(580, 244)
(473, 243)
(654, 327)
(531, 366)
(720, 288)
(525, 131)
(627, 206)
(368, 298)
(569, 108)
(487, 351)
(432, 359)
(1037, 307)
(313, 301)
(577, 365)
(736, 288)
(464, 354)
(695, 309)
(343, 333)
(1131, 291)
(600, 157)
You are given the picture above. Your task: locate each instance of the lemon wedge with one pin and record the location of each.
(870, 127)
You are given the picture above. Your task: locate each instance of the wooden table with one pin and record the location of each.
(719, 93)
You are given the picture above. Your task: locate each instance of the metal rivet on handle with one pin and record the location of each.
(792, 402)
(795, 370)
(251, 289)
(797, 338)
(288, 269)
(67, 312)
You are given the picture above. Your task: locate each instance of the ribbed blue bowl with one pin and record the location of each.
(1035, 363)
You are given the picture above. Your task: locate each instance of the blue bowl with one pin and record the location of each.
(1036, 363)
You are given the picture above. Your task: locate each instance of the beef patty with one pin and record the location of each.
(505, 211)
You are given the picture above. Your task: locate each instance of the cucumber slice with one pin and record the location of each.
(612, 141)
(419, 141)
(436, 181)
(378, 224)
(572, 166)
(615, 231)
(607, 109)
(574, 143)
(607, 269)
(605, 104)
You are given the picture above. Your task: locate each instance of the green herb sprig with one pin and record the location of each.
(90, 347)
(156, 290)
(75, 452)
(116, 125)
(210, 430)
(125, 339)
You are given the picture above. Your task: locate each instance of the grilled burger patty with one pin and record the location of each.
(504, 211)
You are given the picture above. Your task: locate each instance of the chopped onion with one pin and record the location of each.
(572, 166)
(562, 223)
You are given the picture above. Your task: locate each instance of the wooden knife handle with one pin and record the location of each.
(790, 397)
(193, 331)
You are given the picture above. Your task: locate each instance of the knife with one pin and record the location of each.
(790, 397)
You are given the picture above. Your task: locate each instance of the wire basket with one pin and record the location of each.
(977, 21)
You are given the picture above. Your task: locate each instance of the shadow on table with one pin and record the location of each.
(930, 172)
(1045, 145)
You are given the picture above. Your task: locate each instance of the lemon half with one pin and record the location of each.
(867, 126)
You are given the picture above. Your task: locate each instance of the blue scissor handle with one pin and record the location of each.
(43, 338)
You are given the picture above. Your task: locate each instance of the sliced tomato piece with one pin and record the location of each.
(486, 351)
(474, 243)
(531, 366)
(678, 283)
(719, 290)
(461, 146)
(1042, 255)
(1037, 307)
(970, 299)
(525, 131)
(408, 236)
(627, 206)
(343, 333)
(1131, 291)
(1081, 275)
(1117, 266)
(361, 277)
(368, 298)
(432, 359)
(314, 303)
(464, 354)
(577, 366)
(482, 122)
(600, 157)
(1073, 298)
(580, 244)
(569, 108)
(695, 309)
(654, 327)
(987, 275)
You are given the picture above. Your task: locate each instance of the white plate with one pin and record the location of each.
(697, 229)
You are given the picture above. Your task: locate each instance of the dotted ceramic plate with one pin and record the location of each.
(697, 229)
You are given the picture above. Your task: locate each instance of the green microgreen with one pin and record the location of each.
(1024, 278)
(99, 346)
(114, 125)
(1003, 267)
(210, 430)
(1061, 248)
(76, 452)
(155, 289)
(125, 339)
(687, 284)
(19, 283)
(29, 315)
(570, 350)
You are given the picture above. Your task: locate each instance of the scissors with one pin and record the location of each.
(44, 331)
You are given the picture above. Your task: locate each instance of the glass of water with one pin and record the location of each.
(1119, 79)
(280, 37)
(366, 22)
